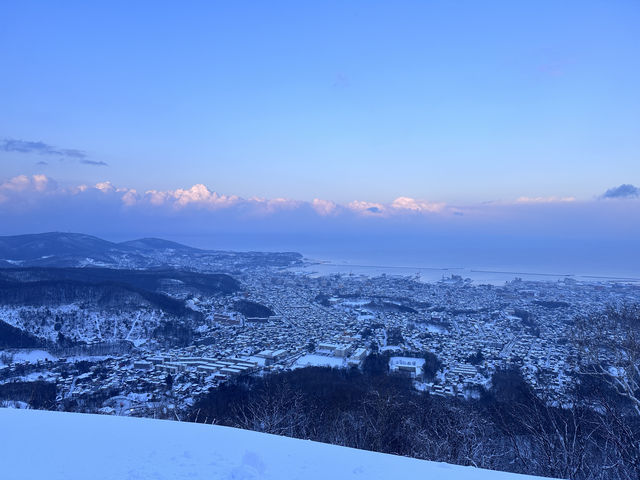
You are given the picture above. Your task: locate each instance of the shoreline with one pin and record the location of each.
(326, 267)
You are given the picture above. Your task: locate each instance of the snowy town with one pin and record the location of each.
(297, 320)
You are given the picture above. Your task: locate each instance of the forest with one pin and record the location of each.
(508, 428)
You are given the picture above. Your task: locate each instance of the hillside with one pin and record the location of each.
(37, 246)
(59, 249)
(149, 280)
(157, 244)
(71, 446)
(57, 304)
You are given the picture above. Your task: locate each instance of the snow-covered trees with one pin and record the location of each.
(608, 346)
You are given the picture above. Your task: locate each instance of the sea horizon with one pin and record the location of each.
(320, 264)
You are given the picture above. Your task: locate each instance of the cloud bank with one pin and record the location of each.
(537, 233)
(40, 189)
(25, 189)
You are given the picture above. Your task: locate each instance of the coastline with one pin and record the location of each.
(316, 266)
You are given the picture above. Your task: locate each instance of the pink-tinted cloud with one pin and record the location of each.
(324, 207)
(367, 208)
(23, 185)
(30, 191)
(546, 230)
(198, 195)
(418, 206)
(545, 199)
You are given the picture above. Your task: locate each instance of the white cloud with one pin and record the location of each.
(198, 195)
(407, 203)
(367, 208)
(79, 189)
(156, 197)
(130, 198)
(545, 199)
(24, 183)
(105, 187)
(40, 182)
(400, 206)
(324, 207)
(267, 206)
(29, 191)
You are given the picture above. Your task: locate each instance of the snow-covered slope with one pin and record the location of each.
(40, 445)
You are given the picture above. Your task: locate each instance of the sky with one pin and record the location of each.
(307, 117)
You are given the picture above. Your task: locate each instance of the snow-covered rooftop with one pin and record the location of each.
(38, 445)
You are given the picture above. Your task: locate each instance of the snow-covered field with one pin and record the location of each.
(39, 445)
(314, 360)
(32, 356)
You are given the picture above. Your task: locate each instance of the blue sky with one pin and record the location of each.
(451, 132)
(457, 102)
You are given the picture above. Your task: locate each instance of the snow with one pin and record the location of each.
(32, 356)
(396, 363)
(38, 445)
(202, 329)
(13, 404)
(259, 360)
(33, 377)
(434, 328)
(312, 360)
(418, 362)
(139, 397)
(391, 348)
(86, 323)
(87, 358)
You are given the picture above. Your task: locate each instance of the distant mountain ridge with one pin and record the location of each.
(35, 246)
(68, 288)
(40, 245)
(59, 249)
(157, 244)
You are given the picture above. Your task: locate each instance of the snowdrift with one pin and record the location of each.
(39, 445)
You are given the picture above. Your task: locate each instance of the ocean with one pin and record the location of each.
(322, 265)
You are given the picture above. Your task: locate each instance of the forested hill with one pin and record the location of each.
(70, 305)
(150, 280)
(58, 249)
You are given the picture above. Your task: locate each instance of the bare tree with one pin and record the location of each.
(562, 439)
(458, 435)
(277, 410)
(608, 346)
